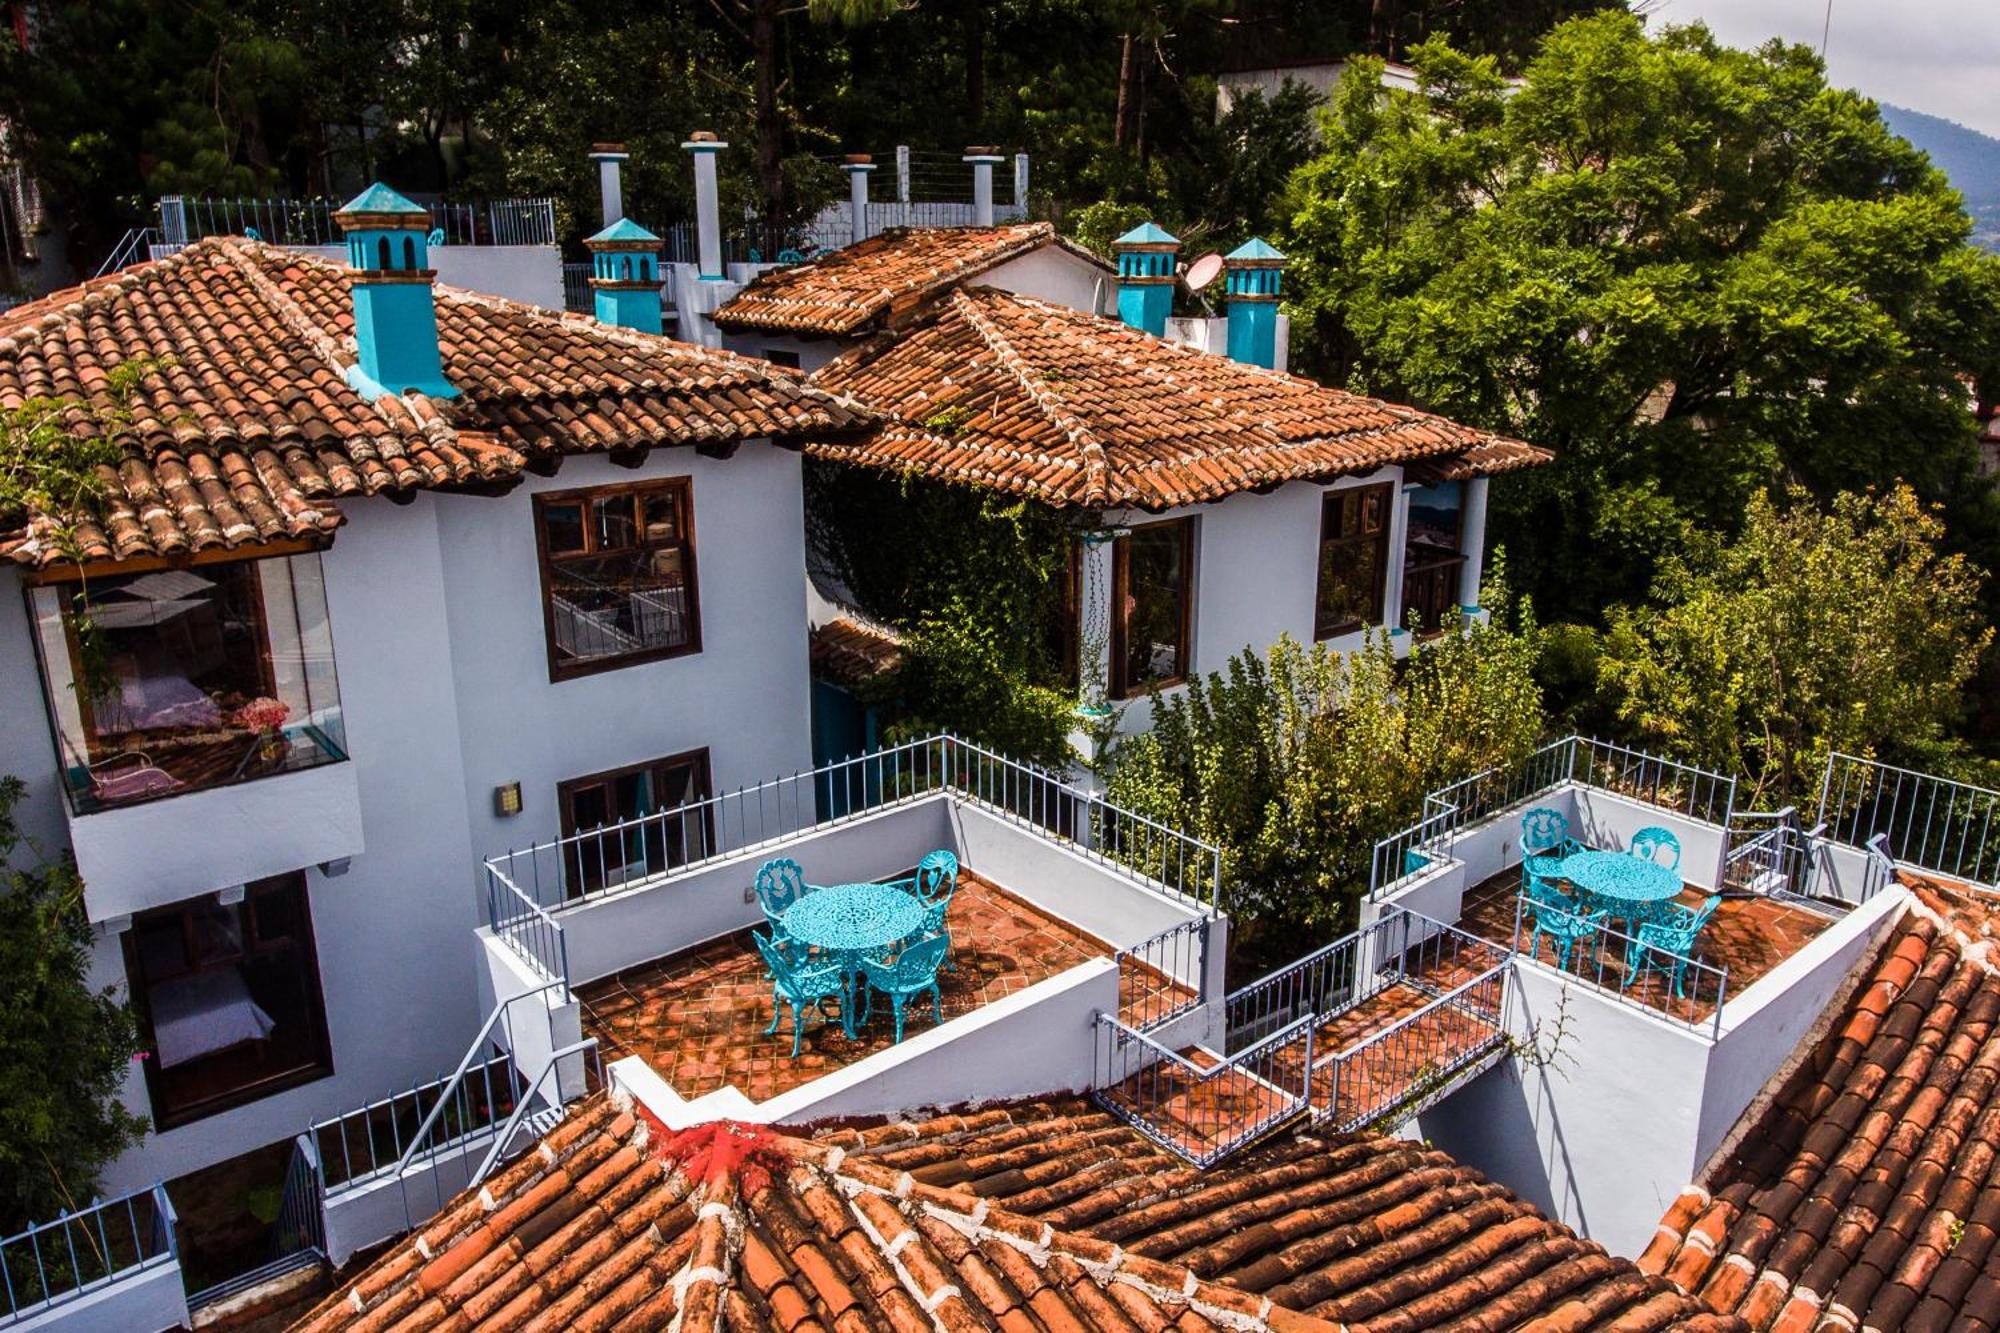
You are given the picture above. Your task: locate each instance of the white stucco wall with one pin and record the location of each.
(1057, 276)
(1601, 1138)
(149, 1299)
(1256, 573)
(443, 674)
(744, 696)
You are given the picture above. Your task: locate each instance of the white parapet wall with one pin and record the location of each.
(144, 1299)
(1037, 1041)
(1605, 1109)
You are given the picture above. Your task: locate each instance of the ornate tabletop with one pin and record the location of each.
(853, 918)
(1619, 878)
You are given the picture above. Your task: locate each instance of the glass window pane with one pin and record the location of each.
(612, 522)
(1154, 595)
(660, 511)
(181, 679)
(615, 604)
(562, 526)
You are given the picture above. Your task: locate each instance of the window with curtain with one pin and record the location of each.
(604, 801)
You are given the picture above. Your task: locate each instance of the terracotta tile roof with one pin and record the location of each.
(861, 287)
(248, 431)
(1489, 458)
(1865, 1193)
(996, 390)
(1031, 1216)
(851, 652)
(1372, 1233)
(615, 1222)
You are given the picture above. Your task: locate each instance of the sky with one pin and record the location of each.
(1938, 56)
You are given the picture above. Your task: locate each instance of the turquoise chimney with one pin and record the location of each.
(625, 275)
(1146, 277)
(1252, 272)
(395, 315)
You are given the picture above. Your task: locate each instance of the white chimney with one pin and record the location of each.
(983, 161)
(858, 167)
(707, 204)
(610, 195)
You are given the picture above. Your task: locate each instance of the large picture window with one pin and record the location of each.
(595, 860)
(1152, 594)
(181, 678)
(228, 998)
(618, 578)
(1353, 558)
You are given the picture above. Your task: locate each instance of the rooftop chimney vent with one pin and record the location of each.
(395, 311)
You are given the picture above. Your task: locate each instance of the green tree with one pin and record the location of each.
(1296, 763)
(1693, 271)
(64, 1048)
(1819, 629)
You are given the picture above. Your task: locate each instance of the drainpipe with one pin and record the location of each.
(983, 161)
(610, 195)
(858, 167)
(707, 204)
(1472, 543)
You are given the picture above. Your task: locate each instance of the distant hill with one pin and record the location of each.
(1970, 158)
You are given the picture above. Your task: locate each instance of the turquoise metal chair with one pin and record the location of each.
(1657, 845)
(804, 984)
(937, 881)
(1545, 841)
(912, 973)
(1667, 942)
(1563, 919)
(779, 884)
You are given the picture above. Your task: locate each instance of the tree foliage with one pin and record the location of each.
(1818, 629)
(64, 1048)
(1297, 762)
(1691, 270)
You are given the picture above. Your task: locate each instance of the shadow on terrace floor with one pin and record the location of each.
(1747, 936)
(698, 1017)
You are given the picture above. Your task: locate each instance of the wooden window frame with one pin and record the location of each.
(585, 496)
(139, 991)
(1328, 501)
(1120, 686)
(566, 791)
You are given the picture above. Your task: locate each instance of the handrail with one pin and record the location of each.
(1397, 1093)
(513, 1125)
(128, 248)
(1716, 979)
(565, 873)
(465, 1062)
(1935, 823)
(363, 1116)
(1142, 1087)
(148, 1243)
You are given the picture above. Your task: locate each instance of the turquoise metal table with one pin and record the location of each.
(1627, 886)
(853, 919)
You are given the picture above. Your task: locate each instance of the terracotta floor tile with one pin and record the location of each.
(1748, 936)
(698, 1018)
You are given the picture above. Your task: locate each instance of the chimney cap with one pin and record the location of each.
(1147, 236)
(704, 141)
(380, 206)
(614, 151)
(854, 160)
(1255, 253)
(624, 234)
(982, 153)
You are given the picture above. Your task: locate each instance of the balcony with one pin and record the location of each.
(1067, 907)
(208, 690)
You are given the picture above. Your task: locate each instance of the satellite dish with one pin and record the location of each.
(1202, 272)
